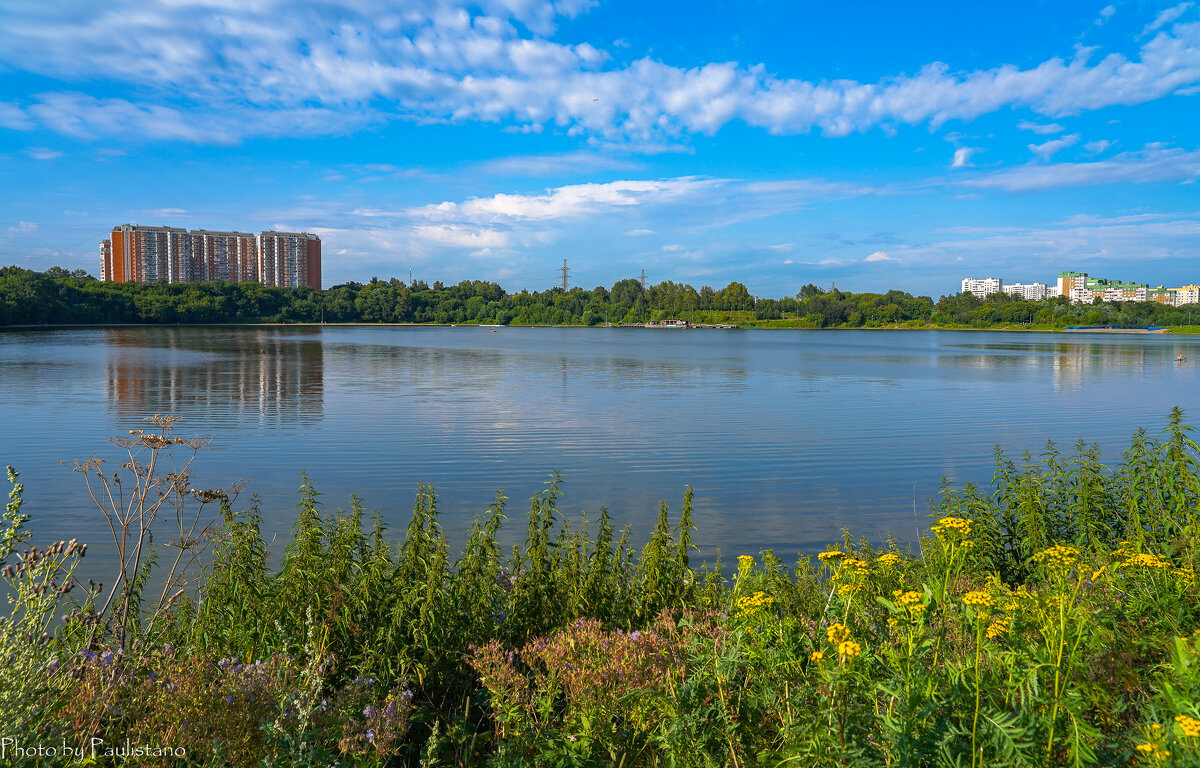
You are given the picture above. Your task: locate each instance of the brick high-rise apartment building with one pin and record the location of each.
(229, 256)
(289, 258)
(166, 254)
(146, 255)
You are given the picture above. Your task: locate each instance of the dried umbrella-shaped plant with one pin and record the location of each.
(152, 485)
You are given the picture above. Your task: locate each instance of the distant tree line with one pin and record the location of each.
(58, 296)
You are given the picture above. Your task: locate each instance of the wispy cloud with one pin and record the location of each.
(548, 165)
(336, 66)
(1040, 128)
(1048, 149)
(1146, 248)
(1154, 164)
(962, 157)
(1166, 17)
(567, 202)
(42, 153)
(878, 256)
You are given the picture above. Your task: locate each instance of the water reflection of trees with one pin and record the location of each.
(261, 375)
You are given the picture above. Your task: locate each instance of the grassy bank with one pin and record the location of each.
(1048, 620)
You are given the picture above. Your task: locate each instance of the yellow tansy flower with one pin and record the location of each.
(837, 633)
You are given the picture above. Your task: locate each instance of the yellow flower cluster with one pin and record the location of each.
(748, 606)
(888, 561)
(849, 589)
(1189, 725)
(1059, 556)
(837, 633)
(949, 525)
(997, 628)
(1144, 560)
(909, 600)
(848, 649)
(978, 598)
(1154, 752)
(856, 567)
(832, 556)
(839, 638)
(745, 562)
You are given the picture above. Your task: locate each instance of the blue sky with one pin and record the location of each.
(876, 146)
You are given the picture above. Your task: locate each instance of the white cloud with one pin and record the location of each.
(1105, 14)
(787, 261)
(23, 228)
(572, 201)
(12, 116)
(457, 236)
(1166, 17)
(1039, 128)
(1096, 147)
(42, 153)
(1039, 252)
(878, 256)
(1151, 164)
(639, 232)
(1047, 149)
(962, 157)
(217, 71)
(546, 165)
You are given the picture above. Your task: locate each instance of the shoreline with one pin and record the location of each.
(1177, 330)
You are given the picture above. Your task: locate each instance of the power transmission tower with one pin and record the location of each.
(565, 272)
(643, 279)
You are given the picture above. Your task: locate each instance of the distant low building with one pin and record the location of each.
(982, 287)
(1028, 291)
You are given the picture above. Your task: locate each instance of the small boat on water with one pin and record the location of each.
(1181, 359)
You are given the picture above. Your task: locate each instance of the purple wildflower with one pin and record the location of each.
(368, 711)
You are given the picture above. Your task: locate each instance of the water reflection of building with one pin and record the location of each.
(268, 376)
(1068, 362)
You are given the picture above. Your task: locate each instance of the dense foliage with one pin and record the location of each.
(1052, 620)
(59, 297)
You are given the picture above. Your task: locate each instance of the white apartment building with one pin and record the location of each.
(1028, 291)
(981, 287)
(1188, 294)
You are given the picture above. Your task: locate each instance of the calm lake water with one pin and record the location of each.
(787, 437)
